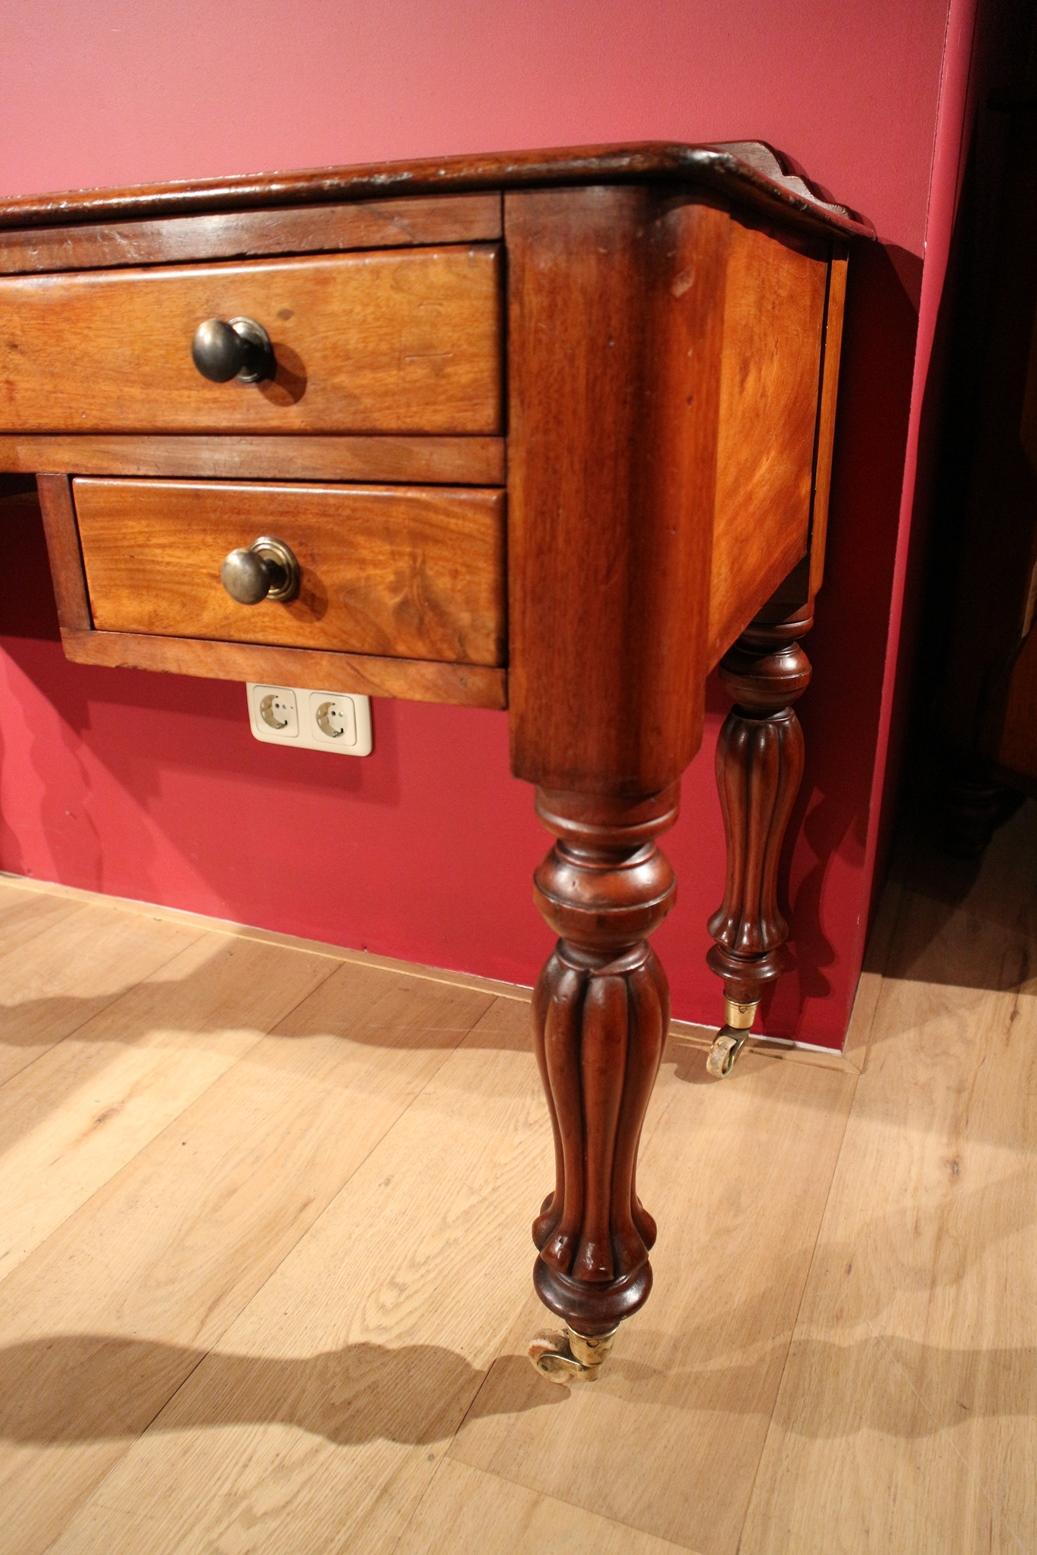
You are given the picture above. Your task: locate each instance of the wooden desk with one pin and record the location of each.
(549, 432)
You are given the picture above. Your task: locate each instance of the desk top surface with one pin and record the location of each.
(747, 173)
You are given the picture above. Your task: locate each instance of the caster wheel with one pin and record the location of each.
(570, 1357)
(724, 1053)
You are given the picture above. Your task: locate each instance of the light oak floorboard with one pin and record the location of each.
(907, 1417)
(464, 1512)
(119, 1533)
(90, 1104)
(107, 1318)
(62, 963)
(318, 1421)
(464, 1509)
(22, 921)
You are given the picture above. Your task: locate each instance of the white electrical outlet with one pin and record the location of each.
(274, 713)
(310, 720)
(333, 717)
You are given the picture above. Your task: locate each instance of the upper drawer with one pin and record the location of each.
(384, 341)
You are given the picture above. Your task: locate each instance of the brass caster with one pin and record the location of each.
(731, 1038)
(722, 1056)
(570, 1357)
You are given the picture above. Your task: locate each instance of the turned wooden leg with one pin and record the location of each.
(601, 1011)
(759, 767)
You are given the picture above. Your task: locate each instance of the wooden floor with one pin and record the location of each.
(264, 1260)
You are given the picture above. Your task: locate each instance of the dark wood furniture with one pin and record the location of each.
(549, 432)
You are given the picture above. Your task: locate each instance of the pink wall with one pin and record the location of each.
(151, 786)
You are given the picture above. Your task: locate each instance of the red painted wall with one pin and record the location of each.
(151, 786)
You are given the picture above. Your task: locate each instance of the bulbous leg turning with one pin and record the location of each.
(601, 1011)
(759, 768)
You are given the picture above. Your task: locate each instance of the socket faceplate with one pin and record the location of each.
(310, 720)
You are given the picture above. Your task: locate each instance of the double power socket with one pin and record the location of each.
(310, 720)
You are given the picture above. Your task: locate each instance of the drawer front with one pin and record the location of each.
(386, 341)
(402, 572)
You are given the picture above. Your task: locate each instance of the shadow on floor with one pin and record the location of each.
(92, 1387)
(883, 1382)
(993, 898)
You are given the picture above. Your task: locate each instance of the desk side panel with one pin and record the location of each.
(832, 355)
(770, 402)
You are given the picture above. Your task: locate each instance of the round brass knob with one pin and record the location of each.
(233, 348)
(266, 569)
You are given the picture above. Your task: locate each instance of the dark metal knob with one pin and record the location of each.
(233, 348)
(266, 569)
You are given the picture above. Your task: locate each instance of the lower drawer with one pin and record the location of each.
(406, 572)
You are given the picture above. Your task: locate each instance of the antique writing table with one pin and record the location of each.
(548, 432)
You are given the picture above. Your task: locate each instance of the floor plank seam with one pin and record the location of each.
(94, 1494)
(988, 1496)
(794, 1325)
(133, 1518)
(173, 1122)
(290, 1249)
(43, 928)
(433, 1477)
(100, 1010)
(882, 972)
(577, 1506)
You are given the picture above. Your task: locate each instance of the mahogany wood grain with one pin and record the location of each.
(833, 336)
(798, 589)
(600, 1016)
(744, 173)
(774, 309)
(416, 680)
(452, 461)
(456, 218)
(393, 341)
(614, 352)
(393, 571)
(759, 767)
(465, 685)
(66, 558)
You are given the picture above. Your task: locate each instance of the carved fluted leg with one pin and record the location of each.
(601, 1011)
(759, 767)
